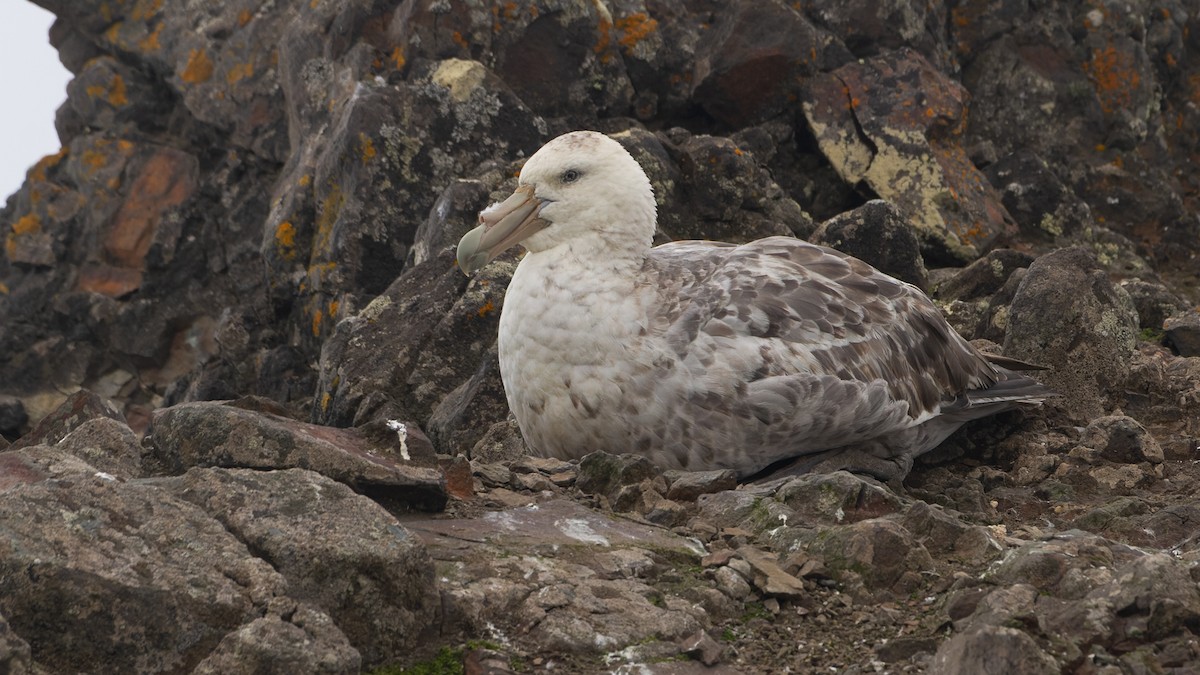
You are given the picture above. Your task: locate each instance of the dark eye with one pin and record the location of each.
(571, 175)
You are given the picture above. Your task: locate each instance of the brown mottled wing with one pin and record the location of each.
(814, 313)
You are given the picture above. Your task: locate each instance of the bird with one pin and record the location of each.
(705, 355)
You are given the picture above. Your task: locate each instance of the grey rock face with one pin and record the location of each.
(1068, 315)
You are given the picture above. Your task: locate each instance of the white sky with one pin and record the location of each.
(32, 86)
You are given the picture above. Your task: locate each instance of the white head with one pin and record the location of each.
(581, 190)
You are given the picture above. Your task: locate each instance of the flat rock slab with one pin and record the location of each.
(218, 435)
(557, 576)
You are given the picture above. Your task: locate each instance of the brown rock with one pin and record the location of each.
(688, 485)
(993, 650)
(211, 434)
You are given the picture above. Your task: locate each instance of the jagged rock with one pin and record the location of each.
(1044, 208)
(879, 234)
(604, 474)
(688, 485)
(985, 276)
(836, 498)
(1183, 333)
(78, 409)
(893, 146)
(879, 554)
(1154, 303)
(502, 441)
(1121, 439)
(339, 551)
(1069, 316)
(14, 652)
(212, 434)
(942, 533)
(587, 589)
(305, 643)
(993, 650)
(749, 62)
(105, 553)
(12, 416)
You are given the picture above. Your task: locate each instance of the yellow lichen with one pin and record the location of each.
(285, 240)
(486, 309)
(397, 57)
(150, 43)
(244, 17)
(318, 317)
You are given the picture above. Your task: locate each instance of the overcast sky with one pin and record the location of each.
(34, 84)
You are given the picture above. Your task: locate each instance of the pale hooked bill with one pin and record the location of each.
(706, 355)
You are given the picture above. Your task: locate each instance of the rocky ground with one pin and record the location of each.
(250, 413)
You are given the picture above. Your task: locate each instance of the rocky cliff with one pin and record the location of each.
(255, 417)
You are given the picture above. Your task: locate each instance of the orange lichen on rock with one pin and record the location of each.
(327, 215)
(1115, 77)
(285, 240)
(38, 172)
(603, 46)
(150, 43)
(635, 28)
(145, 9)
(199, 67)
(486, 309)
(397, 57)
(114, 93)
(244, 17)
(27, 224)
(239, 72)
(366, 147)
(459, 39)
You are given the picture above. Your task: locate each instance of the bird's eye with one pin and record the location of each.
(571, 175)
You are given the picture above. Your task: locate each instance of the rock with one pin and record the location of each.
(339, 551)
(1154, 302)
(835, 498)
(943, 533)
(82, 553)
(748, 63)
(688, 485)
(1121, 439)
(879, 234)
(883, 141)
(108, 445)
(77, 409)
(12, 416)
(1183, 333)
(211, 434)
(993, 650)
(14, 652)
(984, 276)
(768, 576)
(1069, 316)
(879, 554)
(581, 593)
(307, 642)
(1045, 209)
(727, 195)
(501, 442)
(605, 474)
(703, 648)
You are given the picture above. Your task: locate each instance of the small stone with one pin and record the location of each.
(768, 576)
(717, 558)
(688, 485)
(547, 465)
(667, 513)
(605, 474)
(509, 499)
(492, 474)
(533, 482)
(771, 605)
(731, 583)
(703, 648)
(1122, 439)
(564, 478)
(459, 482)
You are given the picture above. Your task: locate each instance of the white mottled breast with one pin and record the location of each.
(571, 345)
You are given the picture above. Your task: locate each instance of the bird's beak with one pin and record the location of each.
(500, 227)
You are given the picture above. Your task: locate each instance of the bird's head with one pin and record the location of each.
(581, 188)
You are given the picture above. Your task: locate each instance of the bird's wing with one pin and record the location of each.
(817, 316)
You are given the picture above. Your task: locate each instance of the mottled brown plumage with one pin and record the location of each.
(707, 355)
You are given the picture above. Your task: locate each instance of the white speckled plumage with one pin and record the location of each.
(705, 355)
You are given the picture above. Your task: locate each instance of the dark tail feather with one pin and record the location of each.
(1006, 394)
(1012, 364)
